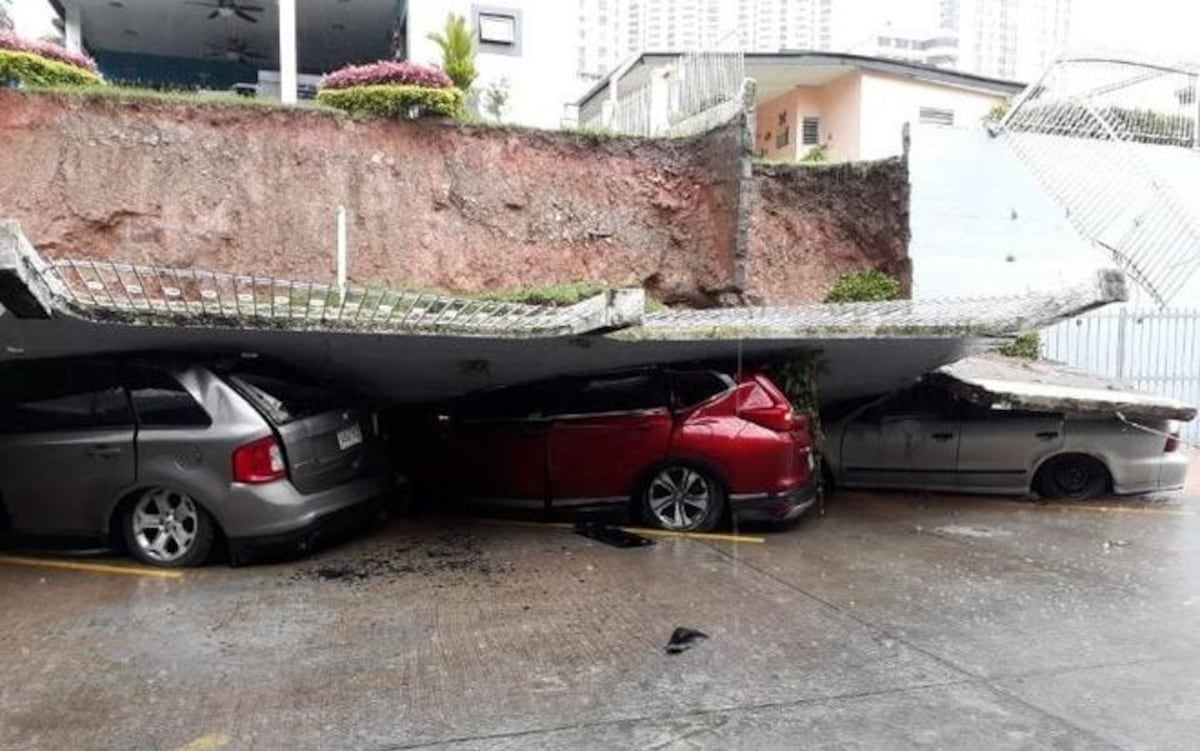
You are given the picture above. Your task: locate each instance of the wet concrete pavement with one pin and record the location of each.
(893, 621)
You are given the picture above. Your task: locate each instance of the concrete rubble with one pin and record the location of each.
(1046, 386)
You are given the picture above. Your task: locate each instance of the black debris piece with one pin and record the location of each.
(610, 535)
(682, 639)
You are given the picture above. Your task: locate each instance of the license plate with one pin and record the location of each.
(349, 437)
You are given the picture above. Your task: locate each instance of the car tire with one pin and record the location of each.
(682, 498)
(1072, 477)
(166, 527)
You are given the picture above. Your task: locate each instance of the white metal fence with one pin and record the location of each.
(1157, 351)
(690, 85)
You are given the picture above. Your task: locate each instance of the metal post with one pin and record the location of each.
(287, 51)
(73, 27)
(1196, 121)
(1122, 320)
(341, 254)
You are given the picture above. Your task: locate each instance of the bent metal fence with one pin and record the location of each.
(137, 294)
(1116, 142)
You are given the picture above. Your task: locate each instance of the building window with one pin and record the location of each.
(810, 134)
(936, 116)
(495, 28)
(498, 30)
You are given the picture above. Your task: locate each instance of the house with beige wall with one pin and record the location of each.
(853, 106)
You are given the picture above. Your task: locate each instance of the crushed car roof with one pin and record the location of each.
(1048, 386)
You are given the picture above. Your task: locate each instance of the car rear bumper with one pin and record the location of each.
(279, 515)
(773, 507)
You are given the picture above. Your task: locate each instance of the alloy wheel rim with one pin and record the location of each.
(165, 524)
(679, 497)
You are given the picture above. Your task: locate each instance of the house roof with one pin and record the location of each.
(778, 71)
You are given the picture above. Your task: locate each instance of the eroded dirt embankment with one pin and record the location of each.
(431, 204)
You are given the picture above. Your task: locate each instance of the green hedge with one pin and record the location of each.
(864, 286)
(35, 70)
(393, 101)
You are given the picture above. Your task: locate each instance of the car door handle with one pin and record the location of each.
(1047, 435)
(941, 436)
(104, 452)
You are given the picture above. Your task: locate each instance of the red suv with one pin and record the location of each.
(684, 446)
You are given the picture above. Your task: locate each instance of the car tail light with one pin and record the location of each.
(259, 462)
(1172, 443)
(775, 417)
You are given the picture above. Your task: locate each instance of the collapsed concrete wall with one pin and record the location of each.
(434, 204)
(813, 223)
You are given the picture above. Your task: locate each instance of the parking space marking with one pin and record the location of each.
(713, 536)
(207, 742)
(710, 536)
(93, 568)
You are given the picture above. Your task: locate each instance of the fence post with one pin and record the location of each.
(1196, 114)
(1122, 320)
(341, 253)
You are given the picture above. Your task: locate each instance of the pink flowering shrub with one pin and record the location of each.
(10, 41)
(387, 73)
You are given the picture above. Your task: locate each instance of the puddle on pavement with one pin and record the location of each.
(610, 535)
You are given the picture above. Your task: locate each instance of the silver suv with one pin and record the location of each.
(167, 457)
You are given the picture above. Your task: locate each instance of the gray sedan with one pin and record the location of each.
(925, 438)
(168, 457)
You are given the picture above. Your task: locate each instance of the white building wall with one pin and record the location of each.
(887, 103)
(982, 224)
(540, 68)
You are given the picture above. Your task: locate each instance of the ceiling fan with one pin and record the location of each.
(229, 9)
(235, 51)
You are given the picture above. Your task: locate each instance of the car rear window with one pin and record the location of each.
(693, 388)
(280, 400)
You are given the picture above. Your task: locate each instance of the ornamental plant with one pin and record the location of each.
(34, 63)
(391, 88)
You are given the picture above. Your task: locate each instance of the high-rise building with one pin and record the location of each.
(6, 22)
(1013, 39)
(611, 30)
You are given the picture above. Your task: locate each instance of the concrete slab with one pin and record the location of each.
(894, 621)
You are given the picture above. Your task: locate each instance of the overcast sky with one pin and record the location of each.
(1161, 27)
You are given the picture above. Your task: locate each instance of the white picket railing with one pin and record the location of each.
(1154, 350)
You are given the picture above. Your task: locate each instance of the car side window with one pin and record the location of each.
(161, 402)
(624, 393)
(921, 402)
(512, 403)
(61, 396)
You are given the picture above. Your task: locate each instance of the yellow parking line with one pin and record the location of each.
(695, 535)
(207, 742)
(94, 568)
